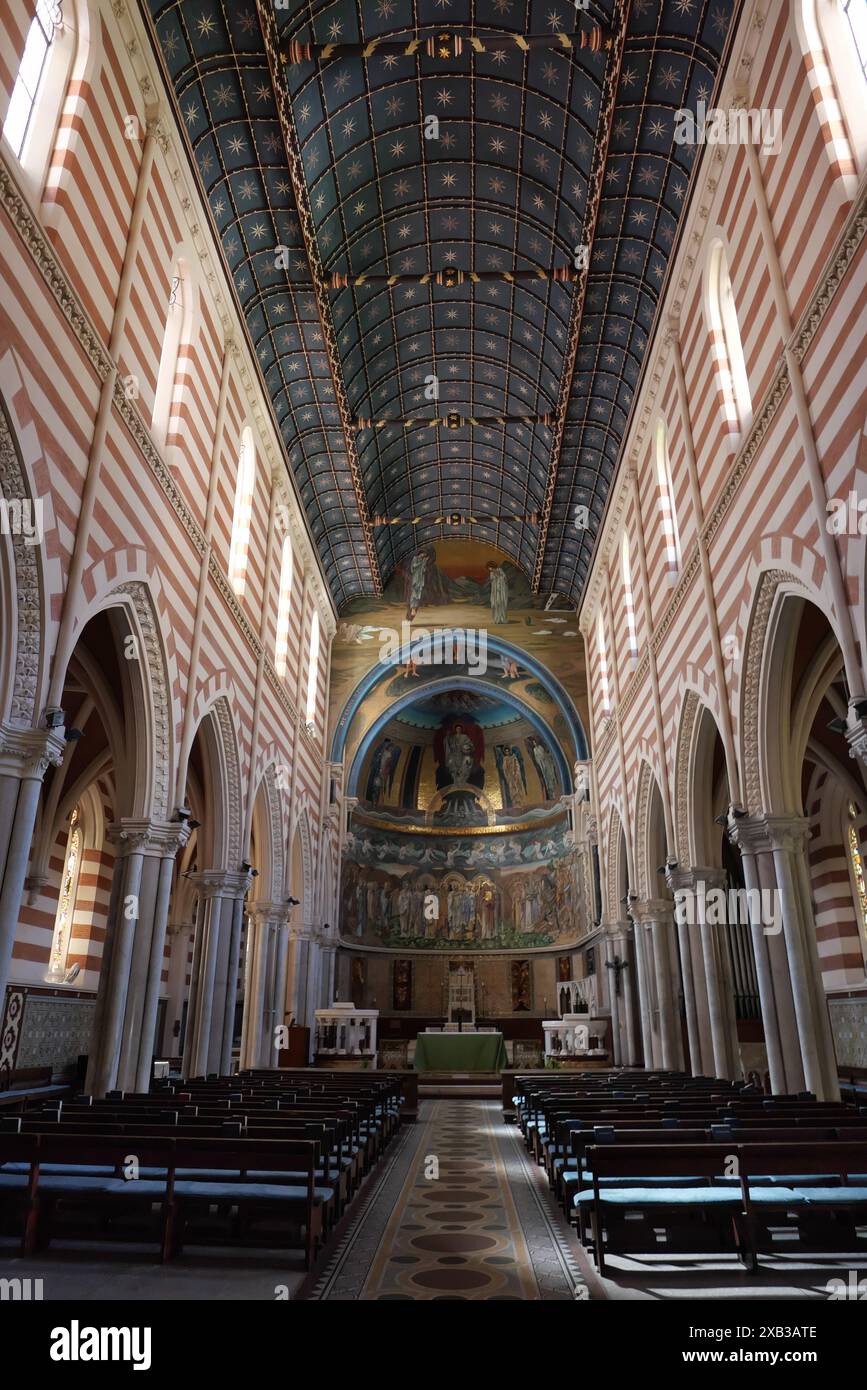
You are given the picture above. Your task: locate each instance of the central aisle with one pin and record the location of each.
(460, 1213)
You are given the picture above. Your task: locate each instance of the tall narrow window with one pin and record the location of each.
(66, 902)
(168, 369)
(628, 598)
(855, 15)
(284, 604)
(856, 863)
(313, 670)
(666, 502)
(243, 513)
(30, 79)
(727, 346)
(603, 665)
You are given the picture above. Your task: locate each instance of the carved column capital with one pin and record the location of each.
(221, 883)
(651, 912)
(29, 753)
(157, 839)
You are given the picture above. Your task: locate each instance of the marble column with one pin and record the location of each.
(655, 917)
(264, 982)
(788, 837)
(643, 972)
(25, 756)
(130, 978)
(703, 932)
(214, 982)
(180, 935)
(794, 1008)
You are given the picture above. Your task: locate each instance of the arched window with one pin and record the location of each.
(313, 670)
(31, 80)
(835, 34)
(243, 513)
(603, 664)
(726, 346)
(856, 866)
(627, 593)
(177, 328)
(66, 902)
(284, 603)
(666, 502)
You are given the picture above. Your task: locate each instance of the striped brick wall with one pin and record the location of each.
(151, 507)
(753, 484)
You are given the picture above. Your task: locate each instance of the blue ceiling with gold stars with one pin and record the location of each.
(447, 224)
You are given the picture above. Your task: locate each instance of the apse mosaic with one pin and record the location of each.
(398, 189)
(461, 832)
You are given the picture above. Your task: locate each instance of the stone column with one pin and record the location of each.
(655, 917)
(615, 997)
(752, 837)
(713, 998)
(180, 935)
(214, 983)
(682, 884)
(643, 958)
(130, 976)
(264, 982)
(25, 756)
(624, 949)
(788, 837)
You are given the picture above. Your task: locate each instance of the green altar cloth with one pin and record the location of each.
(460, 1052)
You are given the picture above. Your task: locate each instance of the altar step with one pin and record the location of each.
(436, 1085)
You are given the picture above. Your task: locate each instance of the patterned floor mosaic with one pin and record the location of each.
(460, 1214)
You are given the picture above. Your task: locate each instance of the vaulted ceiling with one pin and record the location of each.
(400, 189)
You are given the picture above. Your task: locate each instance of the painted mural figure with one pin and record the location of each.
(459, 754)
(499, 593)
(382, 769)
(513, 771)
(425, 582)
(544, 766)
(404, 905)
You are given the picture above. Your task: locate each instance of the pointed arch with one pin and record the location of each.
(22, 589)
(302, 848)
(216, 727)
(696, 736)
(648, 810)
(268, 818)
(616, 866)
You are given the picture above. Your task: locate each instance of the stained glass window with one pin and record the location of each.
(857, 862)
(66, 902)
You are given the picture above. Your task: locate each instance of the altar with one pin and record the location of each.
(463, 1052)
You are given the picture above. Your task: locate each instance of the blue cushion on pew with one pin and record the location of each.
(139, 1188)
(736, 1182)
(774, 1194)
(805, 1180)
(70, 1182)
(13, 1180)
(86, 1169)
(836, 1196)
(664, 1196)
(246, 1192)
(609, 1183)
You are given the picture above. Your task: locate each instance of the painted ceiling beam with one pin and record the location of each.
(450, 278)
(457, 519)
(452, 421)
(268, 25)
(445, 45)
(610, 85)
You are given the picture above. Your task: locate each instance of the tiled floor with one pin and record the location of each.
(460, 1214)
